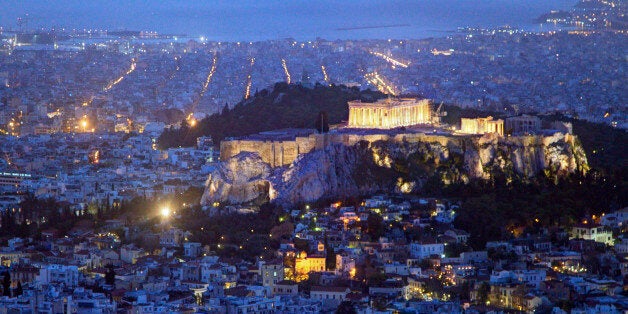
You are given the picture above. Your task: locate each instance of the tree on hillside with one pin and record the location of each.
(322, 122)
(330, 256)
(6, 284)
(483, 292)
(110, 276)
(375, 226)
(345, 307)
(19, 290)
(285, 106)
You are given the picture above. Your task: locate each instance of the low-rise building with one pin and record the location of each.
(59, 274)
(425, 249)
(593, 232)
(330, 296)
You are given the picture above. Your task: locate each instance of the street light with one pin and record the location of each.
(165, 212)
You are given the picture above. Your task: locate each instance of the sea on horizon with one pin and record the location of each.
(249, 20)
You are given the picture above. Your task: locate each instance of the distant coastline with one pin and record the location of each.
(371, 27)
(299, 19)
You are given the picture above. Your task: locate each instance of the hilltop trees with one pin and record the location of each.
(6, 284)
(285, 106)
(110, 276)
(322, 122)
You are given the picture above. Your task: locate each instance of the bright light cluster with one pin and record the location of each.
(394, 62)
(165, 212)
(118, 80)
(325, 76)
(285, 70)
(209, 77)
(378, 81)
(247, 93)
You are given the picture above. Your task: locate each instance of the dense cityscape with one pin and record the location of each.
(482, 171)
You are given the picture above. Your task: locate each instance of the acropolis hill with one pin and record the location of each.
(292, 166)
(282, 147)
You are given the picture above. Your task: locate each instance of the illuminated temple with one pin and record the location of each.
(389, 113)
(482, 126)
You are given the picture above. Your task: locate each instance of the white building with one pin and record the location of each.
(345, 263)
(622, 247)
(172, 237)
(616, 219)
(251, 304)
(330, 296)
(59, 274)
(272, 274)
(425, 249)
(192, 249)
(396, 268)
(532, 277)
(130, 254)
(593, 232)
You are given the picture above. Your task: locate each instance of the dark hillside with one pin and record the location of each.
(285, 106)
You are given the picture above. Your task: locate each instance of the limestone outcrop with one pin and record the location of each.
(240, 179)
(402, 163)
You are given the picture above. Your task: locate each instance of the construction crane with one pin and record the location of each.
(439, 114)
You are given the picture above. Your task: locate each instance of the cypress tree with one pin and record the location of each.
(6, 284)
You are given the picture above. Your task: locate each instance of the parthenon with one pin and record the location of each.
(389, 113)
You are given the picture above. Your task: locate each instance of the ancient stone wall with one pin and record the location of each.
(284, 152)
(275, 153)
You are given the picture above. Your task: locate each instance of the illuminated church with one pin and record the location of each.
(389, 113)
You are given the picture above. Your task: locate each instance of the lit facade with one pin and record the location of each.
(482, 126)
(595, 232)
(389, 113)
(306, 264)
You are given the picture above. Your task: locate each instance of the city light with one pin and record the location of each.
(119, 79)
(390, 60)
(378, 81)
(285, 70)
(247, 92)
(208, 79)
(325, 76)
(191, 120)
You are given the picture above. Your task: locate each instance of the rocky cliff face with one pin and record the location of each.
(240, 179)
(350, 170)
